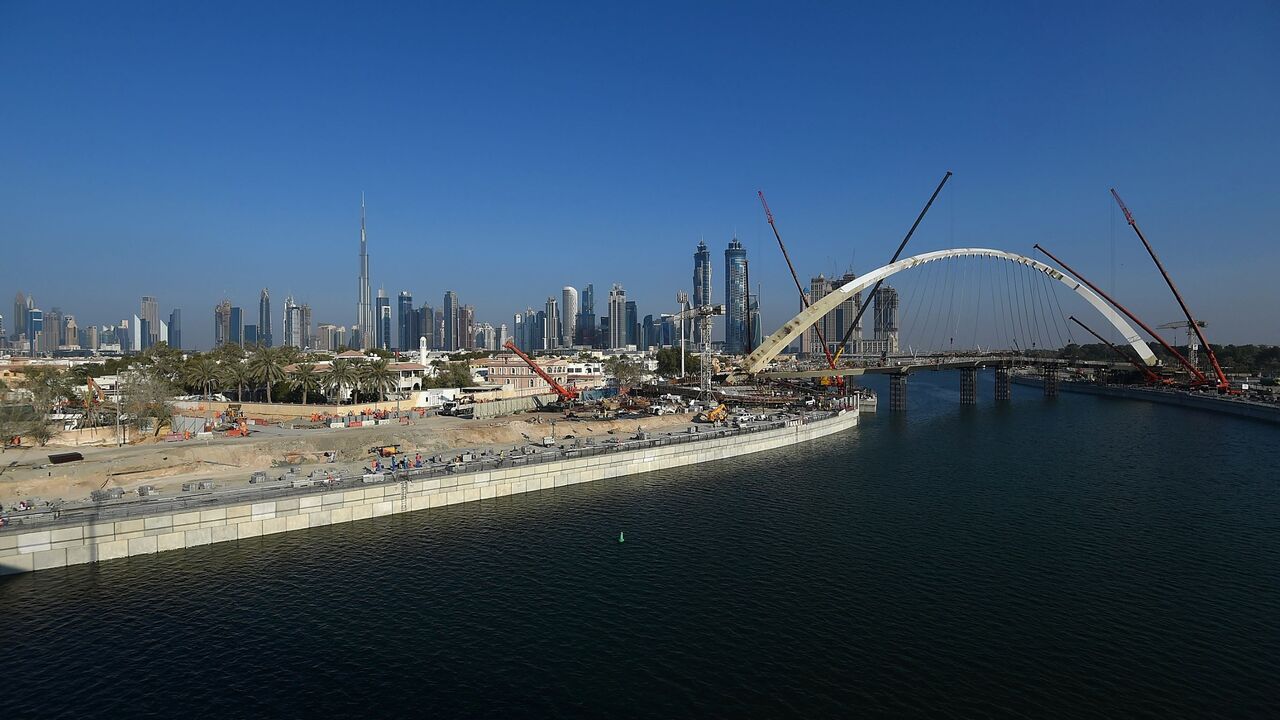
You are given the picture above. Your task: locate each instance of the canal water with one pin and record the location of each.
(1075, 557)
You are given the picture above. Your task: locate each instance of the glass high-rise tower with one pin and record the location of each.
(735, 298)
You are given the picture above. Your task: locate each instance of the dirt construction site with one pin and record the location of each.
(27, 473)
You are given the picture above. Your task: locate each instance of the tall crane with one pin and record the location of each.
(1193, 344)
(565, 393)
(1146, 371)
(703, 314)
(1223, 383)
(804, 299)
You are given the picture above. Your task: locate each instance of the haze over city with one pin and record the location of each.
(195, 154)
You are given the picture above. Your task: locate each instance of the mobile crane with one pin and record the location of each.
(565, 393)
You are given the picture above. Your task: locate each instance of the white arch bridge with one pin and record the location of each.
(758, 360)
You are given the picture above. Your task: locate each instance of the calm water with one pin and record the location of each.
(1081, 557)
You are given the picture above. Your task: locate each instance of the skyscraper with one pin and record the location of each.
(19, 318)
(304, 314)
(265, 337)
(701, 284)
(175, 328)
(151, 313)
(382, 311)
(568, 316)
(633, 324)
(34, 329)
(222, 323)
(406, 321)
(364, 311)
(617, 317)
(552, 338)
(427, 327)
(467, 326)
(735, 298)
(450, 342)
(587, 317)
(886, 318)
(237, 326)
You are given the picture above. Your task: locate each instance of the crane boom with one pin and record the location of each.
(804, 299)
(1195, 371)
(1223, 383)
(1146, 371)
(564, 392)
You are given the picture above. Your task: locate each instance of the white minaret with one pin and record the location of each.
(422, 348)
(364, 310)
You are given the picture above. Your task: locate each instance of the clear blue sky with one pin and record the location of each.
(196, 151)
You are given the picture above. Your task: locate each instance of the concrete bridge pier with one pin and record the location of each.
(968, 386)
(1002, 384)
(1050, 377)
(898, 392)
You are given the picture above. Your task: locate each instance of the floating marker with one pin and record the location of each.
(622, 537)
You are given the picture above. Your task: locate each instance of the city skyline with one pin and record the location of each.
(1033, 162)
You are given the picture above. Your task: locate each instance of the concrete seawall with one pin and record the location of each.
(87, 542)
(1212, 403)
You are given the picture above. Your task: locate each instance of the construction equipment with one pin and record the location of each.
(1193, 344)
(565, 393)
(715, 414)
(385, 451)
(1224, 385)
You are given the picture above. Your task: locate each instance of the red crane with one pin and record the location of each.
(1146, 371)
(565, 393)
(1223, 383)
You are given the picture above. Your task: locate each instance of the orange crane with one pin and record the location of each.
(565, 393)
(1224, 385)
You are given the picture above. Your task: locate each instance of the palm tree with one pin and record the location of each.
(265, 367)
(306, 379)
(235, 373)
(379, 377)
(201, 372)
(341, 374)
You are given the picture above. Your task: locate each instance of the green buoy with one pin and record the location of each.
(622, 537)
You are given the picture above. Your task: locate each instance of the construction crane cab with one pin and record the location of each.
(566, 395)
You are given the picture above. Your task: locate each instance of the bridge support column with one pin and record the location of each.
(1050, 377)
(968, 386)
(1002, 384)
(898, 392)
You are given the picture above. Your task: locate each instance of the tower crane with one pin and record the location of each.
(703, 314)
(1193, 344)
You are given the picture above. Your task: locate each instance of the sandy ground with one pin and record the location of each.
(27, 474)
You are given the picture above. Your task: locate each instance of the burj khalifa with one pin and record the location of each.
(364, 311)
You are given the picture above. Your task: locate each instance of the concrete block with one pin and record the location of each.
(186, 518)
(198, 537)
(487, 492)
(289, 505)
(296, 522)
(547, 482)
(361, 512)
(239, 511)
(15, 564)
(320, 518)
(263, 511)
(223, 533)
(125, 526)
(454, 497)
(430, 485)
(340, 515)
(113, 549)
(143, 545)
(171, 541)
(80, 555)
(470, 494)
(502, 489)
(354, 495)
(69, 533)
(273, 525)
(420, 502)
(158, 522)
(46, 559)
(30, 542)
(99, 530)
(209, 515)
(386, 507)
(334, 498)
(129, 535)
(209, 524)
(437, 499)
(309, 502)
(248, 529)
(8, 541)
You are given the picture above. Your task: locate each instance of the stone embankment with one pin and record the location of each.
(73, 541)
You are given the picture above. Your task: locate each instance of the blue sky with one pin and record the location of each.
(195, 151)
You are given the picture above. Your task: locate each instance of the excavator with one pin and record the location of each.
(567, 396)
